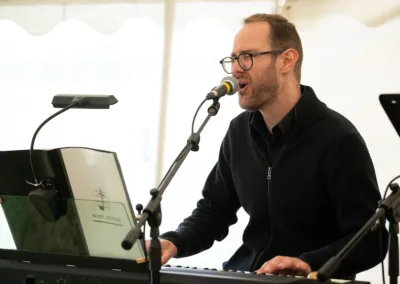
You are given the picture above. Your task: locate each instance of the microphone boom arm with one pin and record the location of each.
(152, 212)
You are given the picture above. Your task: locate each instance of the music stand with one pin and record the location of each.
(94, 208)
(391, 106)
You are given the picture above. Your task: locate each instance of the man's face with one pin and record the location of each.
(259, 85)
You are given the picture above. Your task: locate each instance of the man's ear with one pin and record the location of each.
(288, 60)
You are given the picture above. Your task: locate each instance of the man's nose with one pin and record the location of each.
(236, 69)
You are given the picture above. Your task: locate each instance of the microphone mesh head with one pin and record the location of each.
(233, 83)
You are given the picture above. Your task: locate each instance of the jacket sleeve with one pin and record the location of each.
(350, 181)
(214, 213)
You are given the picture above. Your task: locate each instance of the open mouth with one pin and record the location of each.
(242, 85)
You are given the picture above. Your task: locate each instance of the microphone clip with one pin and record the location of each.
(214, 107)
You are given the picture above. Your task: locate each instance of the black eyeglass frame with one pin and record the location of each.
(251, 55)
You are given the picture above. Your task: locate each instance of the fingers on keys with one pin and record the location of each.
(285, 265)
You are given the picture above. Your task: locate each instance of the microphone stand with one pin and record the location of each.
(387, 208)
(152, 212)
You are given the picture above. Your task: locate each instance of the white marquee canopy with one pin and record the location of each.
(371, 13)
(38, 17)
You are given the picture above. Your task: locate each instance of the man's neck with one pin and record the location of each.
(280, 106)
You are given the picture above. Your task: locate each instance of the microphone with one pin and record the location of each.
(228, 86)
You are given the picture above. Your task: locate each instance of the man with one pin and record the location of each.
(299, 169)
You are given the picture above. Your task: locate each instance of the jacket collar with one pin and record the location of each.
(303, 114)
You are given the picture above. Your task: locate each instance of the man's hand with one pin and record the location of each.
(168, 250)
(286, 266)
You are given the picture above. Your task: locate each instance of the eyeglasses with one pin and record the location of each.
(245, 60)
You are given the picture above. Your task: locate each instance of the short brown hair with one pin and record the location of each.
(283, 35)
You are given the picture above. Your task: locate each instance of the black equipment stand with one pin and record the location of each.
(387, 209)
(152, 212)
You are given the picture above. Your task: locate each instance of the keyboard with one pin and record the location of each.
(242, 276)
(28, 273)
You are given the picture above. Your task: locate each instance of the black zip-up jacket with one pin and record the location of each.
(319, 191)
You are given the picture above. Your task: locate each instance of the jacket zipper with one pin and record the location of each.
(269, 177)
